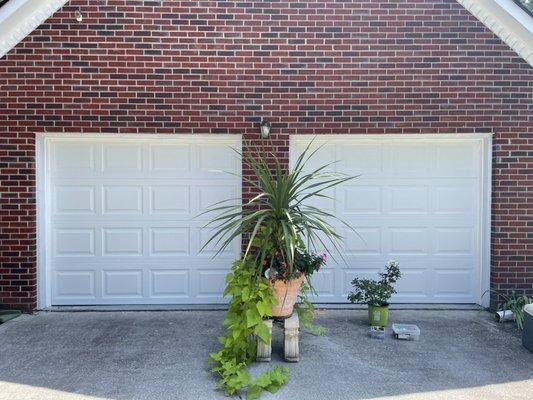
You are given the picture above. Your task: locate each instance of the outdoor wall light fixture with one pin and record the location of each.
(265, 126)
(78, 15)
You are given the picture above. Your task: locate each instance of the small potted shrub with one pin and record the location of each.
(376, 293)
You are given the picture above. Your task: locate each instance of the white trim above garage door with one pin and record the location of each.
(423, 200)
(118, 217)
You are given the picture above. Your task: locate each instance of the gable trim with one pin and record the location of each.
(23, 18)
(497, 19)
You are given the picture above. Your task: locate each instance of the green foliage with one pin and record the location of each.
(306, 313)
(377, 293)
(275, 223)
(515, 302)
(279, 217)
(251, 301)
(304, 263)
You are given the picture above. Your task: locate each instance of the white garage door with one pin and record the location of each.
(418, 201)
(120, 218)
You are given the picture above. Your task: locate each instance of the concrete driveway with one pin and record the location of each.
(161, 355)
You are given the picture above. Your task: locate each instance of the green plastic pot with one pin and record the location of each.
(378, 315)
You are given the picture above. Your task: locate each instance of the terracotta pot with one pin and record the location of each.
(286, 294)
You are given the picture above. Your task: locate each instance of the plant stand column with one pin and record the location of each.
(292, 331)
(264, 350)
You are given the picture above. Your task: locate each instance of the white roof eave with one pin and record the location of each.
(506, 20)
(18, 18)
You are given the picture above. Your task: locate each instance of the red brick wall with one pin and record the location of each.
(310, 66)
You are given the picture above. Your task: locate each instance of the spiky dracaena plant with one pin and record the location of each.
(279, 218)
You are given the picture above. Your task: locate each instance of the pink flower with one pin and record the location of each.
(324, 257)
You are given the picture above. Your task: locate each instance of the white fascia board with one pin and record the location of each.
(508, 21)
(18, 18)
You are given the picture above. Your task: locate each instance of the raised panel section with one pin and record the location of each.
(413, 283)
(455, 199)
(169, 199)
(348, 274)
(122, 158)
(362, 241)
(211, 195)
(362, 199)
(327, 156)
(74, 200)
(122, 241)
(77, 284)
(122, 283)
(215, 159)
(408, 159)
(169, 241)
(122, 199)
(73, 158)
(211, 248)
(454, 241)
(409, 199)
(211, 283)
(169, 158)
(74, 242)
(412, 241)
(362, 159)
(457, 160)
(169, 283)
(452, 282)
(324, 282)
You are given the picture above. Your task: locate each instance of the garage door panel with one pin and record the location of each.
(211, 195)
(363, 199)
(415, 282)
(123, 227)
(170, 241)
(453, 283)
(74, 242)
(169, 284)
(416, 201)
(362, 159)
(122, 242)
(210, 283)
(409, 241)
(169, 160)
(73, 159)
(215, 160)
(122, 160)
(324, 282)
(455, 199)
(365, 241)
(457, 160)
(407, 199)
(170, 199)
(327, 156)
(122, 283)
(74, 199)
(122, 199)
(407, 159)
(75, 284)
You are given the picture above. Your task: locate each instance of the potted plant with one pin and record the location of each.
(286, 285)
(376, 293)
(278, 219)
(279, 227)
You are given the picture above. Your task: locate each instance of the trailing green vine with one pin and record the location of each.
(306, 312)
(251, 301)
